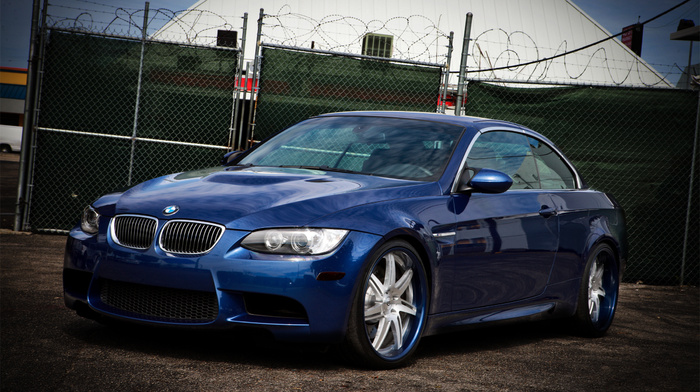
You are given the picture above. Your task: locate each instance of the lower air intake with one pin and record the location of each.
(159, 303)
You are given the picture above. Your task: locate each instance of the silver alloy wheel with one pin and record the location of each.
(390, 308)
(596, 291)
(389, 305)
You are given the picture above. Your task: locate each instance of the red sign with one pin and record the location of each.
(632, 37)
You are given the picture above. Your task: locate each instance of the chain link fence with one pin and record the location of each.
(296, 84)
(118, 111)
(114, 111)
(636, 144)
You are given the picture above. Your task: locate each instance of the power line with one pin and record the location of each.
(575, 50)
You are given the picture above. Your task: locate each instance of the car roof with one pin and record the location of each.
(477, 122)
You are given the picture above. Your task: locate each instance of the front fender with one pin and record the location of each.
(426, 223)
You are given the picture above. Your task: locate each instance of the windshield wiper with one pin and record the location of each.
(239, 166)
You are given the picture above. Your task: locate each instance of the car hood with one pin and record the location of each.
(259, 197)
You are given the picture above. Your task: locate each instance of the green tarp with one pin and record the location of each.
(636, 144)
(295, 85)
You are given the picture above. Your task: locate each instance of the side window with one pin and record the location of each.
(553, 172)
(507, 152)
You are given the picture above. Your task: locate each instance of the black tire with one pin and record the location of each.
(389, 311)
(597, 299)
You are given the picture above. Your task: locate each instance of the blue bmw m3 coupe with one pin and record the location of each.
(363, 230)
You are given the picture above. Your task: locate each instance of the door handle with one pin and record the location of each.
(547, 211)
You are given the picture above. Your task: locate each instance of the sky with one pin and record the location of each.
(16, 20)
(657, 48)
(668, 57)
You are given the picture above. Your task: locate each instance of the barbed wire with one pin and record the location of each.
(606, 64)
(514, 60)
(416, 37)
(513, 55)
(128, 22)
(197, 31)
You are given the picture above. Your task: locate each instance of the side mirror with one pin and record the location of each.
(230, 156)
(484, 181)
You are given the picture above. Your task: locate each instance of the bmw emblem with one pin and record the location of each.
(170, 210)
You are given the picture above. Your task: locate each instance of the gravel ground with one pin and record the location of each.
(653, 345)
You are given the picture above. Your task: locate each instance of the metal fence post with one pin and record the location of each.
(28, 111)
(690, 191)
(447, 71)
(238, 88)
(254, 88)
(144, 33)
(463, 65)
(241, 122)
(31, 107)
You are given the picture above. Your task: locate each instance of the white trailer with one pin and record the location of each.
(10, 138)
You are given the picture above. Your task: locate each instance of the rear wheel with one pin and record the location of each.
(389, 310)
(598, 293)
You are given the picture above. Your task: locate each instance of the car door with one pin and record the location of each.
(505, 244)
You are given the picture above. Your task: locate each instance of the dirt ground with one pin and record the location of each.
(653, 345)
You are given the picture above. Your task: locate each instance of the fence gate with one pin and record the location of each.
(114, 112)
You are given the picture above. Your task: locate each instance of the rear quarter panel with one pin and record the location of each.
(586, 218)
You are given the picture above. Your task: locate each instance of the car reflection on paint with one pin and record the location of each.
(365, 230)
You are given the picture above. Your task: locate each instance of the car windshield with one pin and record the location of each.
(390, 147)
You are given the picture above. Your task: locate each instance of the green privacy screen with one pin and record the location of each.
(636, 144)
(295, 85)
(89, 91)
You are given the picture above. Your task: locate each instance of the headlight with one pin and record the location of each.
(294, 241)
(90, 221)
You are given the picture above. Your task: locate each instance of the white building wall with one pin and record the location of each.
(504, 33)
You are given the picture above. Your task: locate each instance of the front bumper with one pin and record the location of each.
(227, 287)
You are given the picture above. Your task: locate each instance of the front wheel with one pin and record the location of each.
(598, 293)
(389, 310)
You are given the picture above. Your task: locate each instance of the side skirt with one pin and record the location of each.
(557, 301)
